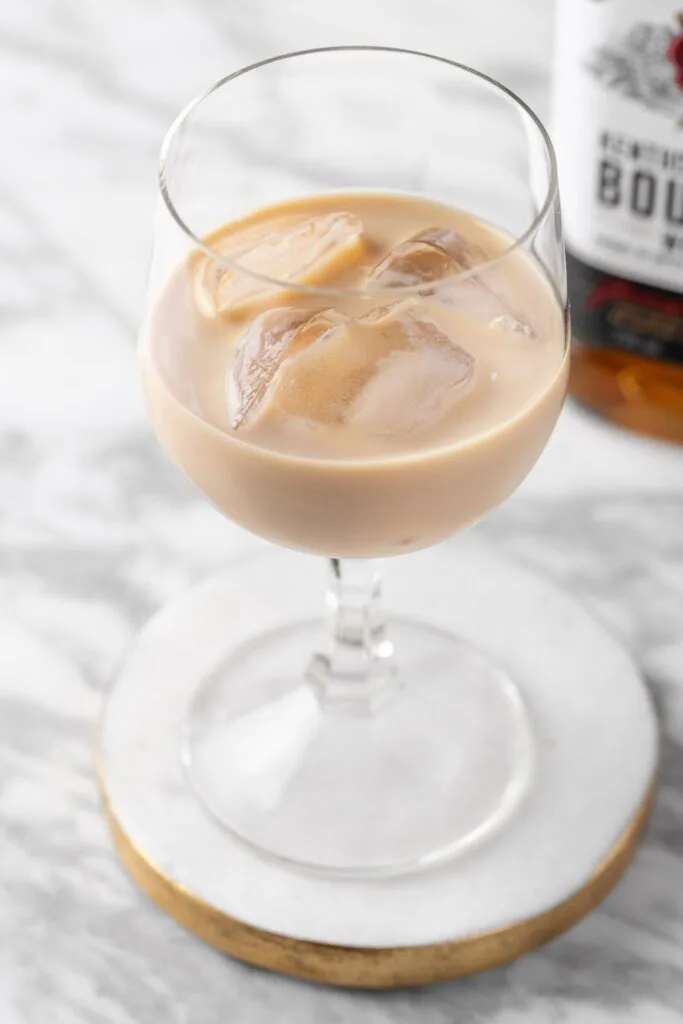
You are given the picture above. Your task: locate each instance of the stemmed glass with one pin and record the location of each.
(353, 743)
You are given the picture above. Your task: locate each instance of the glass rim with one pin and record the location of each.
(518, 242)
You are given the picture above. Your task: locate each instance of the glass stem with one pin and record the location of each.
(357, 672)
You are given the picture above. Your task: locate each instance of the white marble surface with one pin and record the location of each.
(97, 530)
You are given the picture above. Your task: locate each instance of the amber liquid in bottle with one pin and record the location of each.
(637, 391)
(632, 391)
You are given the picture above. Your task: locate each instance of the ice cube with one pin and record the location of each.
(411, 263)
(271, 338)
(431, 255)
(462, 250)
(493, 294)
(299, 251)
(438, 256)
(392, 372)
(512, 325)
(488, 298)
(417, 383)
(411, 391)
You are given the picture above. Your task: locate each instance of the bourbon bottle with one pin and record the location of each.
(618, 130)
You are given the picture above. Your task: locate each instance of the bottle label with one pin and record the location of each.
(618, 131)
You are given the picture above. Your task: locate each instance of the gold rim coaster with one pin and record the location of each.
(379, 967)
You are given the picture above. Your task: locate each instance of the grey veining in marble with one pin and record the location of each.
(97, 530)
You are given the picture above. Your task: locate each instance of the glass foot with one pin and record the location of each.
(427, 762)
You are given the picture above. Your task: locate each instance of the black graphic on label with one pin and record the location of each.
(643, 65)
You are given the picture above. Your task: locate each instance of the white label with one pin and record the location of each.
(618, 130)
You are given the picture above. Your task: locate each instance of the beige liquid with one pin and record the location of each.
(333, 488)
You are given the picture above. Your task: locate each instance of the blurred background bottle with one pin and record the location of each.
(618, 129)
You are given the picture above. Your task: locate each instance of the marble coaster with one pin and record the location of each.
(567, 844)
